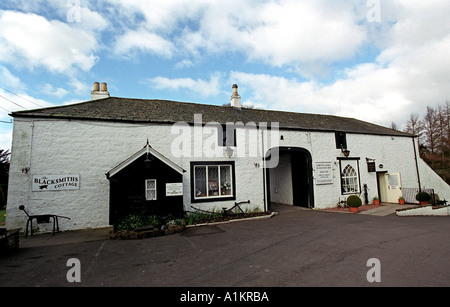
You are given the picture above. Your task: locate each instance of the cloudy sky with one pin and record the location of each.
(375, 60)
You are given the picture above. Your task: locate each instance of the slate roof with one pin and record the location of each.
(168, 112)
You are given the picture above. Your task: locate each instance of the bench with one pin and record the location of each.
(41, 219)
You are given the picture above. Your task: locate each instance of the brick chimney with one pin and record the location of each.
(99, 93)
(235, 98)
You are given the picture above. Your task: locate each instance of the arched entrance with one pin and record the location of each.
(290, 181)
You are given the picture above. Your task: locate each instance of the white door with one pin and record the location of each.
(393, 187)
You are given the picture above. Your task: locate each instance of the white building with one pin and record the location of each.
(99, 160)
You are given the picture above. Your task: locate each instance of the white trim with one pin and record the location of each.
(147, 189)
(137, 155)
(219, 183)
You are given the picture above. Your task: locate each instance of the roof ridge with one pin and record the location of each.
(170, 111)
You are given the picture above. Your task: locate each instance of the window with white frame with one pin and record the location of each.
(350, 177)
(150, 189)
(212, 181)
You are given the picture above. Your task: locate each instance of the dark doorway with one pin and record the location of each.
(139, 189)
(292, 178)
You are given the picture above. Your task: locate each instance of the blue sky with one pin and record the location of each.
(375, 60)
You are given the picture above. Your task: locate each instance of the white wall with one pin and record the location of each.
(92, 148)
(281, 182)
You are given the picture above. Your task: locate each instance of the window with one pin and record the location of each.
(228, 136)
(341, 140)
(350, 177)
(150, 189)
(212, 181)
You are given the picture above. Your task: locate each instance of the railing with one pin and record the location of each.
(409, 194)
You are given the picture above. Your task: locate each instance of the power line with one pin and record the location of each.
(12, 102)
(21, 97)
(5, 109)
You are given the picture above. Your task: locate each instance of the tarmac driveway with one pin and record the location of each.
(298, 247)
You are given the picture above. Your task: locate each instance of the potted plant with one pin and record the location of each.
(354, 202)
(423, 198)
(401, 200)
(376, 201)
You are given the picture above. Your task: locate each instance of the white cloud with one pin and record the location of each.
(79, 88)
(49, 89)
(144, 41)
(30, 40)
(6, 140)
(184, 64)
(8, 80)
(205, 88)
(276, 32)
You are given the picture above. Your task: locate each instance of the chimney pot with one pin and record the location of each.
(97, 94)
(235, 99)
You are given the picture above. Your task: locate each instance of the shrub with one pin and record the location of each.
(423, 196)
(133, 221)
(354, 201)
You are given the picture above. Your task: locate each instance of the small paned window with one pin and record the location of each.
(150, 189)
(212, 181)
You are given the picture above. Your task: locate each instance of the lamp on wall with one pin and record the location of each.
(346, 152)
(229, 152)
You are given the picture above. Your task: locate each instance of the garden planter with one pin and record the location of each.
(354, 209)
(423, 203)
(401, 201)
(376, 202)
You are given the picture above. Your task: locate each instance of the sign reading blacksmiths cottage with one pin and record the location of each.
(55, 183)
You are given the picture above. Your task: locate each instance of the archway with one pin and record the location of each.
(290, 181)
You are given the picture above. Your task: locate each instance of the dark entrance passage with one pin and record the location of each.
(291, 181)
(140, 187)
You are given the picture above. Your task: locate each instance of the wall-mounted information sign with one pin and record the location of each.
(174, 189)
(324, 173)
(43, 183)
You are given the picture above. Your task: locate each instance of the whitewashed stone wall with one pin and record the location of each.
(92, 148)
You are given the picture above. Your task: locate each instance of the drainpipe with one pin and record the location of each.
(417, 165)
(264, 171)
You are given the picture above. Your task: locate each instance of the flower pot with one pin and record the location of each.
(354, 209)
(376, 202)
(423, 203)
(401, 201)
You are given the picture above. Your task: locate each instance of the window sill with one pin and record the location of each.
(213, 199)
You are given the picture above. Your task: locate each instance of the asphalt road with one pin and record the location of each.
(297, 248)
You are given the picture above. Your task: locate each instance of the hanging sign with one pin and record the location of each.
(174, 189)
(43, 183)
(324, 173)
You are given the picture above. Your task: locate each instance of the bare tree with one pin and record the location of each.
(431, 129)
(394, 126)
(435, 149)
(415, 126)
